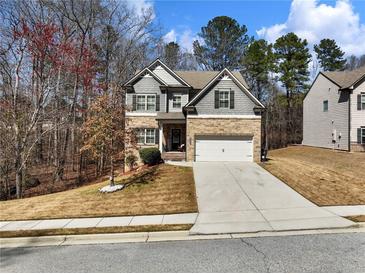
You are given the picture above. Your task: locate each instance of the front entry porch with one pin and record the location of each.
(172, 139)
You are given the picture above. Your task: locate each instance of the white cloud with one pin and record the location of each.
(314, 21)
(170, 36)
(141, 6)
(184, 38)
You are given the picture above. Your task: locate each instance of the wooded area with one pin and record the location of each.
(63, 61)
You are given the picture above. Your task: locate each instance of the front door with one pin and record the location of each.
(176, 138)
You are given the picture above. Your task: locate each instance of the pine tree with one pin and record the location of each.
(225, 41)
(292, 59)
(330, 55)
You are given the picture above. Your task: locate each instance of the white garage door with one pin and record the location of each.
(208, 149)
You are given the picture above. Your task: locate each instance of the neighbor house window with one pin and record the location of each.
(146, 102)
(325, 106)
(223, 99)
(176, 101)
(363, 135)
(146, 136)
(363, 101)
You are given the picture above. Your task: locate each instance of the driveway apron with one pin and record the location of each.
(235, 197)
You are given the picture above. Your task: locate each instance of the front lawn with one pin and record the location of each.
(324, 176)
(164, 189)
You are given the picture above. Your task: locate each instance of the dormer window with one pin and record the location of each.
(176, 101)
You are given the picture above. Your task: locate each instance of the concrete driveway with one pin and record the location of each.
(243, 197)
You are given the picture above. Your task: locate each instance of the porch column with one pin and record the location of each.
(160, 136)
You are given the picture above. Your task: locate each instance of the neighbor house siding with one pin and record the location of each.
(357, 118)
(318, 125)
(147, 85)
(243, 105)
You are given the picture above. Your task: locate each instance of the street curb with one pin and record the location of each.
(146, 237)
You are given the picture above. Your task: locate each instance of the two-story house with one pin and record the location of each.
(334, 111)
(194, 115)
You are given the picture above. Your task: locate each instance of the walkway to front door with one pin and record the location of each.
(243, 197)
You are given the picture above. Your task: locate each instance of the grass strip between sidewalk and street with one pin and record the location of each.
(357, 218)
(94, 230)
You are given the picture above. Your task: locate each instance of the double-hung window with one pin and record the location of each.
(362, 135)
(223, 99)
(363, 101)
(146, 102)
(146, 136)
(176, 101)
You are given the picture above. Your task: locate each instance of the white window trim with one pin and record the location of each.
(229, 98)
(145, 136)
(176, 95)
(145, 101)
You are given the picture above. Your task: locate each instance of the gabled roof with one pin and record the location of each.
(234, 78)
(199, 79)
(345, 79)
(142, 73)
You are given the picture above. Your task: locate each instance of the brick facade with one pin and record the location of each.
(223, 127)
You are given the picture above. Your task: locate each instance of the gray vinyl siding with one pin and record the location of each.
(147, 85)
(357, 116)
(243, 105)
(184, 100)
(318, 125)
(166, 76)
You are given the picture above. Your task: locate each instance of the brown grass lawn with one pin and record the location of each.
(93, 230)
(324, 176)
(164, 189)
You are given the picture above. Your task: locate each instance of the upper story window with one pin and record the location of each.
(176, 101)
(223, 99)
(145, 102)
(325, 106)
(362, 101)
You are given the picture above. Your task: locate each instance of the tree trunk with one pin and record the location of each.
(111, 171)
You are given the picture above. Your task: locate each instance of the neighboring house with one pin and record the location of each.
(194, 115)
(334, 111)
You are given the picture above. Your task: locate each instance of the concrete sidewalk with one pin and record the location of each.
(346, 210)
(236, 197)
(185, 218)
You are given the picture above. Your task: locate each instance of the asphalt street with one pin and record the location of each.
(308, 253)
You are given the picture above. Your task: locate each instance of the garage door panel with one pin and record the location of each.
(228, 148)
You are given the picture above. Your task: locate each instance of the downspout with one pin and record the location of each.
(349, 129)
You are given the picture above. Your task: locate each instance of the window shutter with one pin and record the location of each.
(134, 102)
(359, 102)
(216, 99)
(359, 135)
(157, 102)
(231, 99)
(157, 135)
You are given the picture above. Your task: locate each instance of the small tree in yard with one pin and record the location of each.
(104, 130)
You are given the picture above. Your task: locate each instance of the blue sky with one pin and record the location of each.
(343, 20)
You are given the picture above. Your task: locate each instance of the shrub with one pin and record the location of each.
(131, 161)
(32, 182)
(150, 156)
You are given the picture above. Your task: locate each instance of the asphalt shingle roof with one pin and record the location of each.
(199, 79)
(345, 79)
